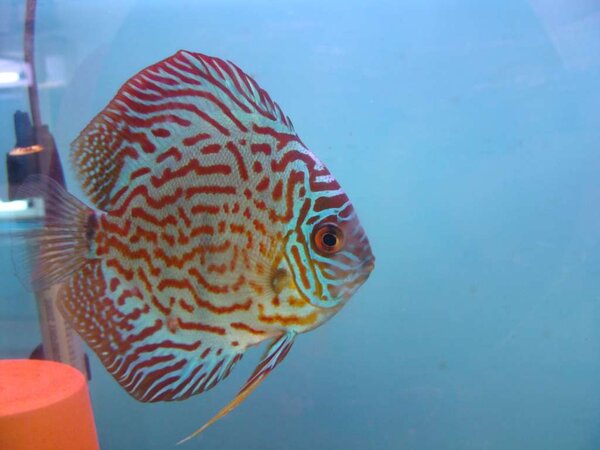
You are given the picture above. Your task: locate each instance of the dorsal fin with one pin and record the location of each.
(174, 104)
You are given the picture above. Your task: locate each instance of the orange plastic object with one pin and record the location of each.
(44, 405)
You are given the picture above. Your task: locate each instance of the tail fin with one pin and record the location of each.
(61, 245)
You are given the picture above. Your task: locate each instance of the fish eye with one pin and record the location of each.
(328, 239)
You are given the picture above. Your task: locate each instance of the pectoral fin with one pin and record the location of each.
(274, 354)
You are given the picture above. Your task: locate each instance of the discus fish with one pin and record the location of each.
(213, 229)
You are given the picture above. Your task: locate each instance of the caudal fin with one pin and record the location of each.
(48, 254)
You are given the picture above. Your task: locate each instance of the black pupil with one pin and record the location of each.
(329, 239)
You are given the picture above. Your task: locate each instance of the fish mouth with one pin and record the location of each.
(365, 271)
(368, 265)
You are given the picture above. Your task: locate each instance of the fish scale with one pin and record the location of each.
(207, 237)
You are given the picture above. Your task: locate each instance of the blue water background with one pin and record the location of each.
(467, 134)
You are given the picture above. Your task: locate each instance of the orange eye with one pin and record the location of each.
(328, 239)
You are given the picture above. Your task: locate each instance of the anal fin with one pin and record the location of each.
(274, 354)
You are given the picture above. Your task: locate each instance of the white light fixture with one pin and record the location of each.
(9, 77)
(32, 208)
(13, 73)
(14, 206)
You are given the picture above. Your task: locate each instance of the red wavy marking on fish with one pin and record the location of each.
(301, 267)
(290, 157)
(210, 380)
(136, 354)
(282, 139)
(304, 210)
(215, 289)
(263, 184)
(117, 195)
(115, 264)
(192, 166)
(114, 284)
(142, 139)
(145, 388)
(179, 261)
(191, 377)
(251, 87)
(134, 315)
(260, 227)
(141, 233)
(209, 189)
(245, 306)
(169, 66)
(217, 268)
(243, 171)
(145, 332)
(234, 77)
(152, 75)
(188, 93)
(211, 149)
(347, 211)
(172, 152)
(244, 327)
(286, 319)
(132, 255)
(128, 152)
(139, 173)
(182, 239)
(160, 132)
(205, 209)
(249, 240)
(142, 108)
(141, 190)
(277, 191)
(114, 227)
(140, 213)
(157, 119)
(176, 261)
(127, 294)
(260, 148)
(233, 259)
(141, 273)
(321, 186)
(187, 285)
(186, 306)
(183, 215)
(199, 326)
(168, 343)
(193, 140)
(294, 178)
(135, 373)
(167, 394)
(169, 239)
(237, 228)
(202, 229)
(165, 310)
(330, 202)
(184, 66)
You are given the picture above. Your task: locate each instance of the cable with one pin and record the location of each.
(29, 51)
